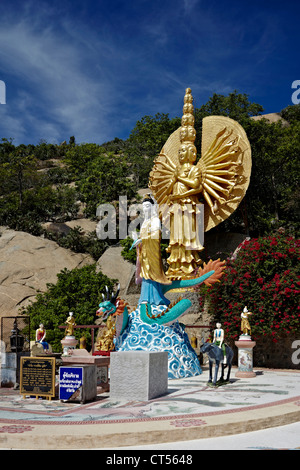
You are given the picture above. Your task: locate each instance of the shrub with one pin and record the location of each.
(265, 278)
(76, 241)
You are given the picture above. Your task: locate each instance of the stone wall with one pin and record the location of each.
(285, 354)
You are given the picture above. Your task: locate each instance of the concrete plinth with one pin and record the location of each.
(68, 343)
(245, 358)
(81, 356)
(138, 375)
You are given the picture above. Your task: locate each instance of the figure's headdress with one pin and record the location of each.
(149, 198)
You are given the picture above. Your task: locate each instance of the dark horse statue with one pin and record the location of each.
(215, 355)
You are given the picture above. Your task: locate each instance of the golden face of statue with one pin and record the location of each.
(188, 133)
(187, 120)
(188, 108)
(187, 153)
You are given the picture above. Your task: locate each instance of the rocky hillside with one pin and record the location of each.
(27, 264)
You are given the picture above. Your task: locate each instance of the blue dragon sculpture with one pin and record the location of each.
(116, 307)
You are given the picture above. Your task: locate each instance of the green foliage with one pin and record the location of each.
(273, 194)
(76, 241)
(145, 142)
(265, 276)
(236, 105)
(45, 203)
(78, 291)
(18, 171)
(291, 113)
(130, 255)
(100, 177)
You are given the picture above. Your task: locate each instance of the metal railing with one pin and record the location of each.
(94, 327)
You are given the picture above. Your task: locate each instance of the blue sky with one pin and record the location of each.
(93, 68)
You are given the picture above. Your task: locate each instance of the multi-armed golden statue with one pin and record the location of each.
(195, 197)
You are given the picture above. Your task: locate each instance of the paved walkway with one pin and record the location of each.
(279, 438)
(191, 414)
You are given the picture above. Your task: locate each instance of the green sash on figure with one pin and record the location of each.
(222, 347)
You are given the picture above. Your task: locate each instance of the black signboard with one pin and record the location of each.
(37, 377)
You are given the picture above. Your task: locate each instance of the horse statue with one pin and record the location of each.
(216, 356)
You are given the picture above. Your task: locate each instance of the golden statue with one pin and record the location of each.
(195, 197)
(105, 340)
(71, 324)
(245, 325)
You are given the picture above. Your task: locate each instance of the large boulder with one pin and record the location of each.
(114, 266)
(27, 264)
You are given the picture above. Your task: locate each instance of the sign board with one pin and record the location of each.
(37, 376)
(70, 382)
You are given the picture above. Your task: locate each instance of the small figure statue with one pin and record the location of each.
(105, 342)
(71, 324)
(219, 340)
(40, 336)
(245, 325)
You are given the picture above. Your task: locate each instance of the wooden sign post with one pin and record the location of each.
(37, 377)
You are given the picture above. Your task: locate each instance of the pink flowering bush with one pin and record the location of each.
(265, 277)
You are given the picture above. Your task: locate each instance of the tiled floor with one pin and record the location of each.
(190, 409)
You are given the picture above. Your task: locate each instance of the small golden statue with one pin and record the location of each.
(71, 324)
(105, 339)
(195, 197)
(245, 325)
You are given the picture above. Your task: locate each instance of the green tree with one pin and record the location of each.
(145, 142)
(101, 177)
(271, 200)
(291, 113)
(45, 151)
(19, 170)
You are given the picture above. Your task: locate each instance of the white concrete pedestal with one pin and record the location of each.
(68, 343)
(138, 375)
(245, 358)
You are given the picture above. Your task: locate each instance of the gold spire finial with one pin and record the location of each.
(187, 130)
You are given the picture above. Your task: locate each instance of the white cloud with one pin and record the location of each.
(65, 77)
(189, 5)
(53, 89)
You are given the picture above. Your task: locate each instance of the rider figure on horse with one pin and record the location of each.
(219, 340)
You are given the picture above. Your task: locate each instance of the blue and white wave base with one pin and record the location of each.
(182, 359)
